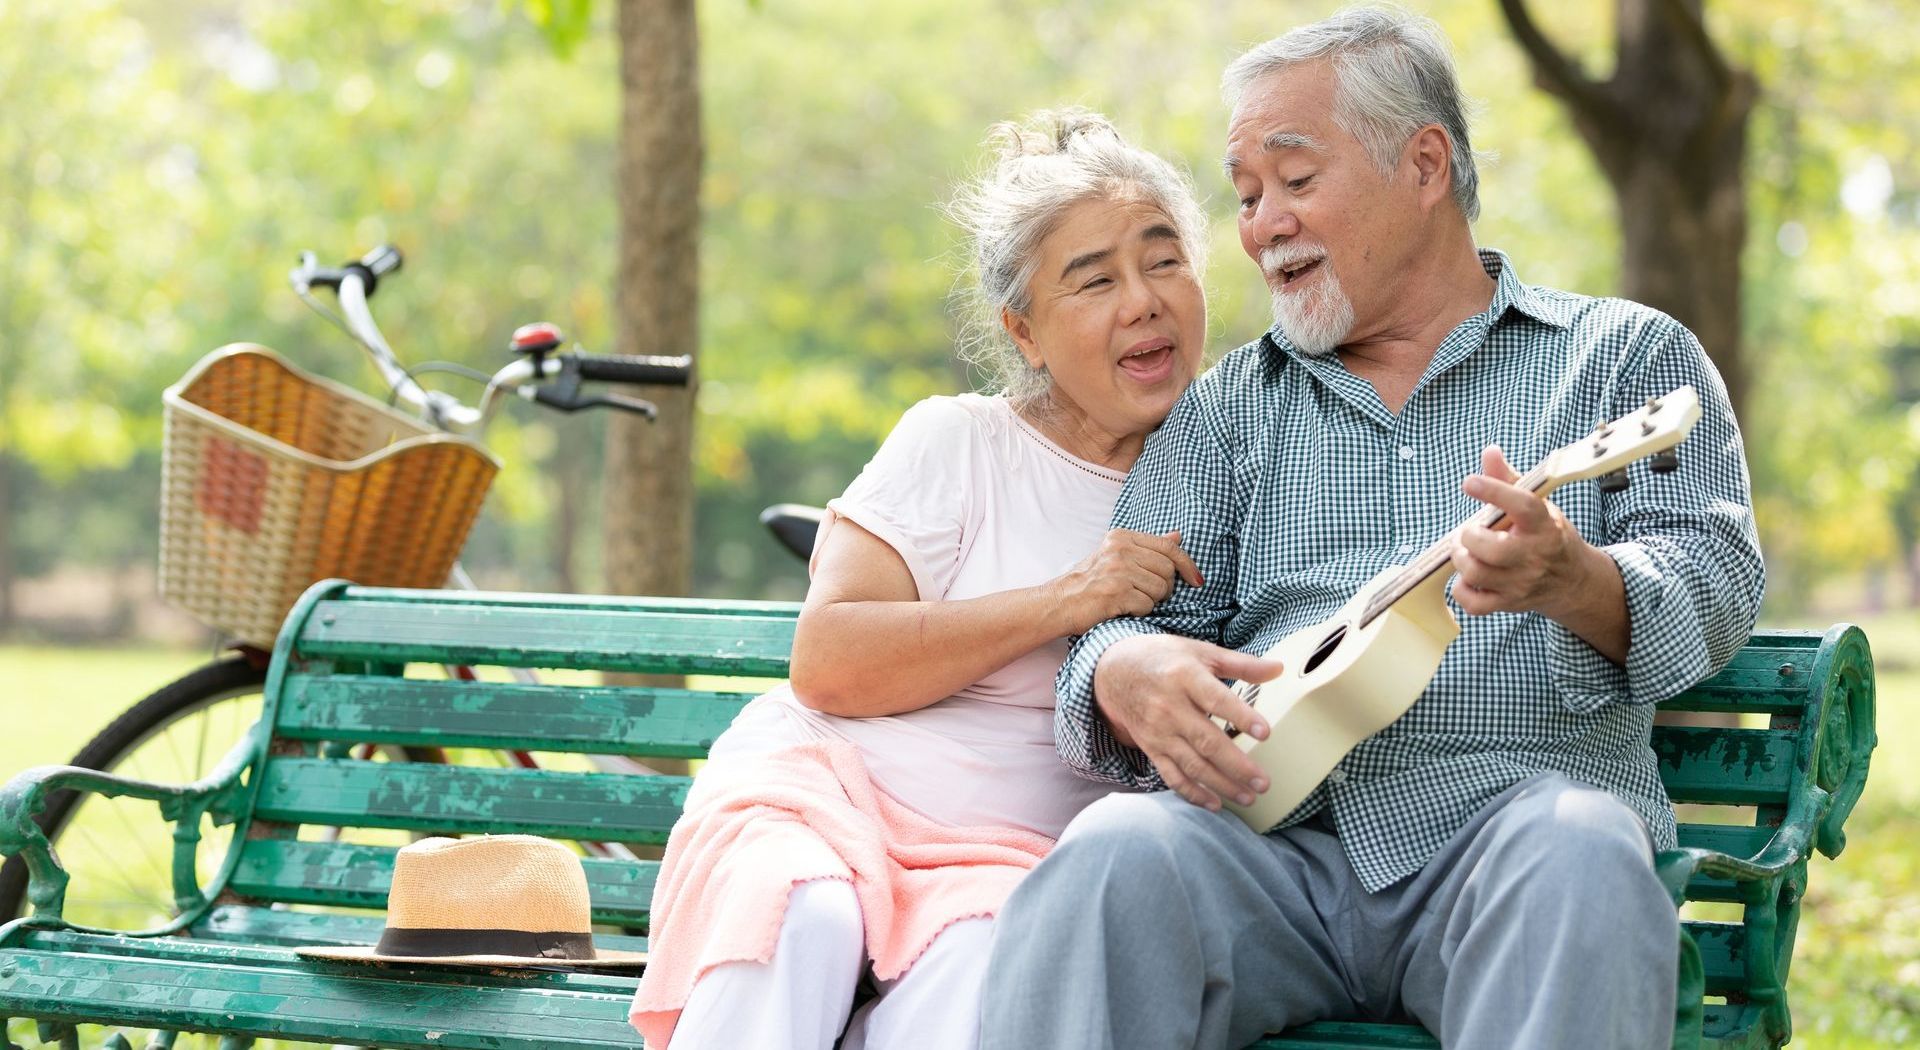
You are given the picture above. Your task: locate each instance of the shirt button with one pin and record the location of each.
(1338, 776)
(1406, 548)
(1406, 451)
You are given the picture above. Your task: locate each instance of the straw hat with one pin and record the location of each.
(498, 900)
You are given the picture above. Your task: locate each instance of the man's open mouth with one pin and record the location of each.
(1290, 274)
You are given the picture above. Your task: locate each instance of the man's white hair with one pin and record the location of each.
(1394, 76)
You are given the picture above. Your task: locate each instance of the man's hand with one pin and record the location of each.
(1536, 561)
(1160, 693)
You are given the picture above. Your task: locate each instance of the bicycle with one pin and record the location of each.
(192, 721)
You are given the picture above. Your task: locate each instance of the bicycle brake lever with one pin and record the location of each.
(567, 398)
(636, 405)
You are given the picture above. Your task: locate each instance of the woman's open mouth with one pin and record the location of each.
(1150, 361)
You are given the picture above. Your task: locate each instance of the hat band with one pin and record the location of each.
(438, 943)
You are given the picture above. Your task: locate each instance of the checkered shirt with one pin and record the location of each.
(1292, 485)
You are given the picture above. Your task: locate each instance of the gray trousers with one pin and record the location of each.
(1158, 925)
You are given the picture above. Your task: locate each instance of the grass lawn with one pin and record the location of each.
(1856, 971)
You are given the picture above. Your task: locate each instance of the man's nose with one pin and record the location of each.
(1272, 222)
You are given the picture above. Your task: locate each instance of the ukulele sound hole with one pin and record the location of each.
(1324, 650)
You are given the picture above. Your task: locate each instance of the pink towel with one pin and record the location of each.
(802, 813)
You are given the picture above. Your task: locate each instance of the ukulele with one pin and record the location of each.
(1350, 676)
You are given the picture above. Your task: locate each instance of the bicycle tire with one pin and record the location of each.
(197, 689)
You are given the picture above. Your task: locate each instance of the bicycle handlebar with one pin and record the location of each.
(354, 282)
(633, 368)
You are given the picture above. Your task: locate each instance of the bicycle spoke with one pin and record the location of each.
(200, 747)
(116, 873)
(179, 761)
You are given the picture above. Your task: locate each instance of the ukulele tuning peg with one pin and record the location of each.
(1664, 462)
(1614, 482)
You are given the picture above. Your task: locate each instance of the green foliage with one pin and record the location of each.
(161, 163)
(566, 22)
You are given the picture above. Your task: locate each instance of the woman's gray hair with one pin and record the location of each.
(1045, 165)
(1395, 76)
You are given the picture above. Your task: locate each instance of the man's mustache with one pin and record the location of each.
(1277, 257)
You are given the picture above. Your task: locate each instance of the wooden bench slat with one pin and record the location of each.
(1735, 840)
(541, 600)
(390, 1007)
(1350, 1035)
(1725, 766)
(359, 876)
(672, 723)
(1753, 680)
(249, 926)
(469, 800)
(1722, 953)
(595, 639)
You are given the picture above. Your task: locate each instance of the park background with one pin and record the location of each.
(161, 163)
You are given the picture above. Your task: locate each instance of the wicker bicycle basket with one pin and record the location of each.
(273, 479)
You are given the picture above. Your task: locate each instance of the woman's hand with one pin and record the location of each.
(1127, 575)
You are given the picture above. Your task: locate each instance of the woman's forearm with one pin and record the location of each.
(862, 659)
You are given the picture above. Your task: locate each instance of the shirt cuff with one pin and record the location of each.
(1082, 734)
(1665, 653)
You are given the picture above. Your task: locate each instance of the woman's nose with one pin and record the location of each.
(1142, 300)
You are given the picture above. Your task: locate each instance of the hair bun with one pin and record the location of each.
(1046, 132)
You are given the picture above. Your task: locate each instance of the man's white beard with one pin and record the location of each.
(1316, 319)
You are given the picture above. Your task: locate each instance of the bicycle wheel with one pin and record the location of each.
(120, 854)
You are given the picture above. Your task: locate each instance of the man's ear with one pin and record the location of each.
(1021, 330)
(1432, 155)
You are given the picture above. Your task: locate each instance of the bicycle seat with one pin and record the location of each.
(794, 525)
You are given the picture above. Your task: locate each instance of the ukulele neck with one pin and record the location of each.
(1437, 559)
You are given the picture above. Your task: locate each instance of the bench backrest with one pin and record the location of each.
(362, 666)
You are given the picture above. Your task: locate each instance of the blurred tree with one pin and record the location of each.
(647, 516)
(1669, 129)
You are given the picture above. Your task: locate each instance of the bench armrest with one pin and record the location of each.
(25, 796)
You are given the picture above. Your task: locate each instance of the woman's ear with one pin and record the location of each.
(1021, 330)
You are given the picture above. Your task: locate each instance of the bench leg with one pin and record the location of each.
(61, 1032)
(162, 1041)
(1691, 1013)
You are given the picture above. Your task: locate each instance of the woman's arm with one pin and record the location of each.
(866, 645)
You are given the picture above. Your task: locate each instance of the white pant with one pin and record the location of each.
(801, 999)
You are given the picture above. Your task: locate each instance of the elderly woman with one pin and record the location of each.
(868, 821)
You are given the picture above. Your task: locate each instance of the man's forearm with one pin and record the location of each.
(1596, 609)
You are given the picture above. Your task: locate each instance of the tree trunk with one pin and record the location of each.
(6, 538)
(570, 479)
(648, 498)
(1669, 130)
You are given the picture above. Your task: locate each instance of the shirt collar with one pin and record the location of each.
(1510, 294)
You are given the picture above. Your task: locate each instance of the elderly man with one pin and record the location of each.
(1484, 865)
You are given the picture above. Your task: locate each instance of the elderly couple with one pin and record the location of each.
(1023, 610)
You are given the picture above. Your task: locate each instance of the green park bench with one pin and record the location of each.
(338, 677)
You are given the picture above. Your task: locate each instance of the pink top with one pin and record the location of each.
(976, 501)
